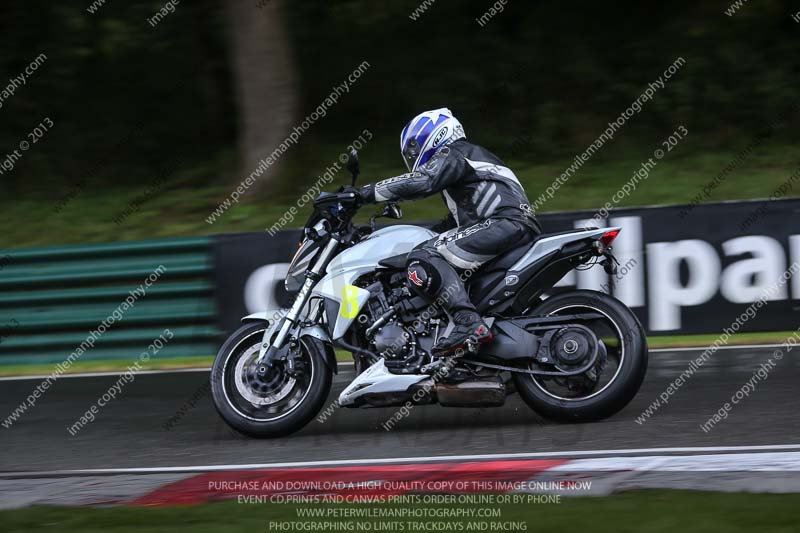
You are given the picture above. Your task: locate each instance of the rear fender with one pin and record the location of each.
(547, 261)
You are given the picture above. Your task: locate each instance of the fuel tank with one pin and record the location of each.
(383, 243)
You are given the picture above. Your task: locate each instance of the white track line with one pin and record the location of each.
(341, 363)
(699, 348)
(395, 460)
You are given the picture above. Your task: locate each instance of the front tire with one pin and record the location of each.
(625, 377)
(273, 405)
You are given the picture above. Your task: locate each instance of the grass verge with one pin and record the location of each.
(182, 208)
(110, 365)
(702, 341)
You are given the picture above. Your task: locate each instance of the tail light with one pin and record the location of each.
(609, 236)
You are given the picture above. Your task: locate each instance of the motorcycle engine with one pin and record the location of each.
(393, 341)
(401, 344)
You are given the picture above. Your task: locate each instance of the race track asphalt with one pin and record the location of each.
(129, 432)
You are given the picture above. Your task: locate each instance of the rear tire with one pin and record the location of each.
(630, 371)
(303, 396)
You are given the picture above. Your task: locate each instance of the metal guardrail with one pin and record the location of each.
(51, 298)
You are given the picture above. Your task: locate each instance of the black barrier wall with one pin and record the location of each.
(249, 271)
(682, 270)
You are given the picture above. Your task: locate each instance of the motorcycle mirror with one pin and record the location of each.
(353, 166)
(393, 211)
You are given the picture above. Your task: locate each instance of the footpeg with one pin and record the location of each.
(472, 345)
(436, 366)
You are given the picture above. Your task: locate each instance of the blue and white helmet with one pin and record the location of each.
(426, 133)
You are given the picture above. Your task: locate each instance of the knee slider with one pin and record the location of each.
(423, 277)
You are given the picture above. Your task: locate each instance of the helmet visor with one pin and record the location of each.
(411, 153)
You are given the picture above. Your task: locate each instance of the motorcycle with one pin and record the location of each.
(578, 355)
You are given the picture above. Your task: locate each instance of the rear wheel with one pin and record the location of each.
(277, 403)
(612, 382)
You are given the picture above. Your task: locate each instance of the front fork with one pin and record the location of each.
(269, 350)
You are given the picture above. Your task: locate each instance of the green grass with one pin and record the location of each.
(180, 209)
(114, 365)
(640, 511)
(701, 341)
(110, 365)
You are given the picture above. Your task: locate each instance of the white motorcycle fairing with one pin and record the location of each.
(377, 379)
(337, 285)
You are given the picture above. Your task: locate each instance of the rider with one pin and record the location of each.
(489, 210)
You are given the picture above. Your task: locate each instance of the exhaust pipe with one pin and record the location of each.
(489, 392)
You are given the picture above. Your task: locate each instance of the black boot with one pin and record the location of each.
(469, 328)
(436, 280)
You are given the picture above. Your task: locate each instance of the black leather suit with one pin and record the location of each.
(489, 207)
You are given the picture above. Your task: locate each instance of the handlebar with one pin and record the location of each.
(343, 197)
(338, 208)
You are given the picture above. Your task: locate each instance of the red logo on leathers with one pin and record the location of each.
(412, 275)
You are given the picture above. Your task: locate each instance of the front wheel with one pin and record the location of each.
(274, 404)
(607, 387)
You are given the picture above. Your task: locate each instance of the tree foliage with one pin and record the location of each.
(128, 98)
